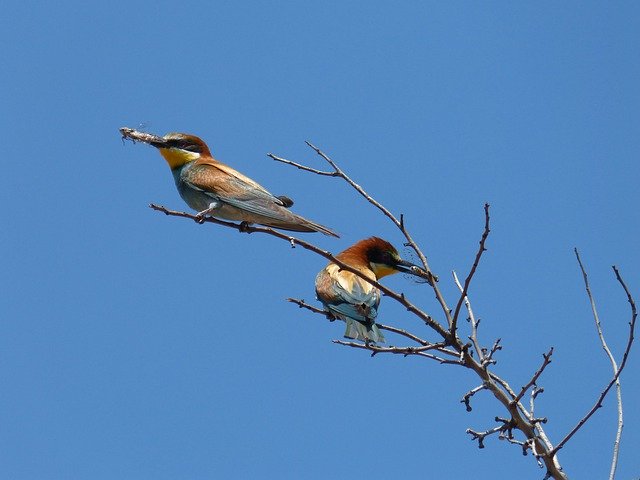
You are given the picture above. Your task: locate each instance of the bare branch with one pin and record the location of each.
(303, 304)
(466, 399)
(245, 228)
(524, 445)
(535, 391)
(472, 319)
(474, 267)
(534, 379)
(406, 351)
(625, 356)
(488, 358)
(614, 366)
(303, 167)
(506, 426)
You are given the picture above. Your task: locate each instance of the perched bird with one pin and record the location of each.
(212, 188)
(350, 298)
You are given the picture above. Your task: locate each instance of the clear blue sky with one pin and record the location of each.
(137, 346)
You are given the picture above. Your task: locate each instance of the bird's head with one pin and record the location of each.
(176, 148)
(381, 257)
(181, 148)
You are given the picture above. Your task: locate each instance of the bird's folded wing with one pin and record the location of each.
(236, 191)
(223, 181)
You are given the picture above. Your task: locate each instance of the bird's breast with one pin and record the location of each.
(194, 197)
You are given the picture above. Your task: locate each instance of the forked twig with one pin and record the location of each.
(474, 267)
(614, 366)
(623, 363)
(472, 320)
(534, 378)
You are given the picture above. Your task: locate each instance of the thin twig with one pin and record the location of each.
(472, 319)
(623, 363)
(303, 167)
(534, 378)
(488, 358)
(474, 267)
(535, 391)
(303, 304)
(614, 366)
(406, 351)
(480, 436)
(466, 398)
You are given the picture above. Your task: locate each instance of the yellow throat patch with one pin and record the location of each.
(382, 270)
(177, 158)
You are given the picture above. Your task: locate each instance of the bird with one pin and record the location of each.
(350, 298)
(211, 187)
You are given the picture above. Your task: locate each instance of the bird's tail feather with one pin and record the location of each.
(301, 224)
(317, 227)
(360, 331)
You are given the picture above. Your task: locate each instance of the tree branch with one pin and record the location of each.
(335, 173)
(614, 366)
(474, 267)
(466, 399)
(406, 351)
(472, 319)
(625, 356)
(440, 347)
(534, 379)
(293, 241)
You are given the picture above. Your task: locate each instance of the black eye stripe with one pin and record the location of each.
(185, 145)
(192, 147)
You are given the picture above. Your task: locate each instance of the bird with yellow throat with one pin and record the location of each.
(350, 298)
(212, 188)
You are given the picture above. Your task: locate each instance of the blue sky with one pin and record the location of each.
(138, 346)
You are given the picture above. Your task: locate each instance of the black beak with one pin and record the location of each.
(412, 269)
(407, 267)
(148, 138)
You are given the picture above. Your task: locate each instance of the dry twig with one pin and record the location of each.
(625, 356)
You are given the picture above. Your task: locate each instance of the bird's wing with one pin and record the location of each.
(226, 184)
(210, 175)
(347, 294)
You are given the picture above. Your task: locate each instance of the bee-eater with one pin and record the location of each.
(350, 298)
(212, 188)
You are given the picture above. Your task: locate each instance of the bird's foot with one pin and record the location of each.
(200, 216)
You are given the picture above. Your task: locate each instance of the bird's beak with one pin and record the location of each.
(148, 138)
(408, 267)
